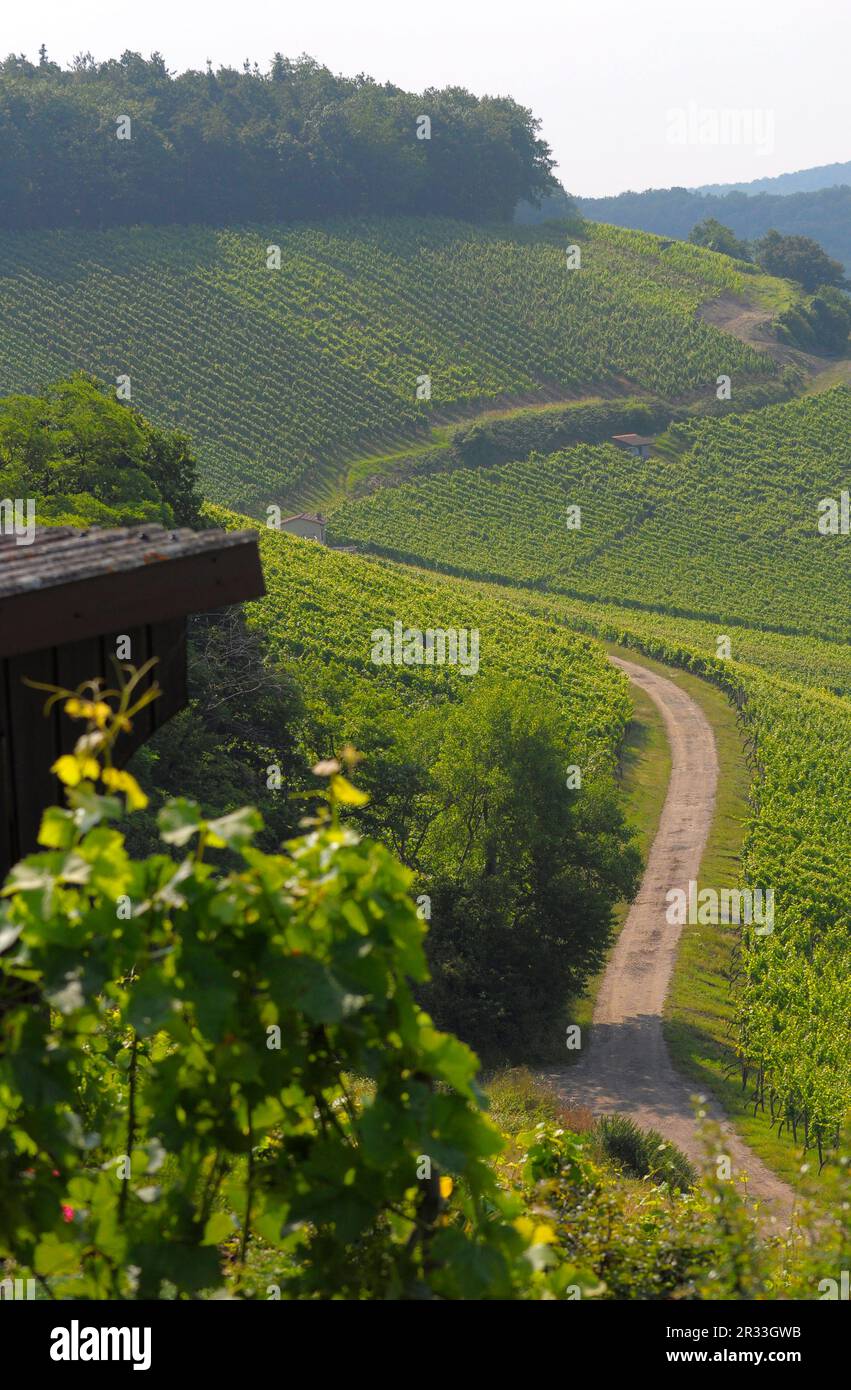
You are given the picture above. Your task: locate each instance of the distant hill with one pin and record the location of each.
(804, 181)
(824, 214)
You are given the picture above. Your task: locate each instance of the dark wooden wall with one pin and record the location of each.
(31, 743)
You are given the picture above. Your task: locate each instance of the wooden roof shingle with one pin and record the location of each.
(70, 584)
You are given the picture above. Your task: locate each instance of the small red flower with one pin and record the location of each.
(67, 1212)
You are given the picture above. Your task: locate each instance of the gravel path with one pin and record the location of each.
(626, 1067)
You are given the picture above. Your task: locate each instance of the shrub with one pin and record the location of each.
(182, 1087)
(643, 1153)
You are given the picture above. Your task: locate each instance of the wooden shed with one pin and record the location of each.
(638, 444)
(64, 602)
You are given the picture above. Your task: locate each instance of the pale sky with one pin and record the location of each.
(606, 77)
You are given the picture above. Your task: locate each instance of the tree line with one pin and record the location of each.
(821, 323)
(126, 141)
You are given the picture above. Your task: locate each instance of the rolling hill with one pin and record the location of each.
(823, 213)
(283, 377)
(715, 536)
(801, 181)
(721, 523)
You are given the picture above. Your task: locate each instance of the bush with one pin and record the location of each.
(821, 324)
(182, 1088)
(643, 1153)
(515, 436)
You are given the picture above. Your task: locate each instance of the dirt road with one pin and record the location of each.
(626, 1067)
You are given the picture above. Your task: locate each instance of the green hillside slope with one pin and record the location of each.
(791, 987)
(821, 213)
(723, 527)
(321, 609)
(280, 376)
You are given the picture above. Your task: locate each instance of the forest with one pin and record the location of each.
(126, 141)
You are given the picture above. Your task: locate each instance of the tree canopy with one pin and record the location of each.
(86, 458)
(716, 237)
(798, 258)
(126, 141)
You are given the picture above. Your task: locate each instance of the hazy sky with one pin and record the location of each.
(631, 93)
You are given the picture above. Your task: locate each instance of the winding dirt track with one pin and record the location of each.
(627, 1067)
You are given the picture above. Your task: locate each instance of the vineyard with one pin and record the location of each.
(722, 527)
(470, 917)
(792, 987)
(282, 375)
(807, 661)
(793, 984)
(321, 609)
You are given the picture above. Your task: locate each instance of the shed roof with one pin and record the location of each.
(633, 439)
(305, 516)
(70, 583)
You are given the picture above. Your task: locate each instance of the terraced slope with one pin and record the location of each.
(282, 375)
(724, 527)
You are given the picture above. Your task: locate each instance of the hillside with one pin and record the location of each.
(321, 609)
(801, 181)
(284, 376)
(716, 535)
(720, 524)
(823, 214)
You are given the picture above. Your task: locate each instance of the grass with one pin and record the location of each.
(772, 294)
(838, 374)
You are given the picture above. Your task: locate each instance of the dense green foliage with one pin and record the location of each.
(183, 1085)
(86, 459)
(820, 324)
(453, 764)
(281, 375)
(228, 147)
(705, 529)
(798, 258)
(716, 237)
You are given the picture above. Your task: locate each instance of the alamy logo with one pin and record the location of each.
(76, 1343)
(436, 646)
(17, 1288)
(17, 518)
(710, 906)
(835, 515)
(711, 125)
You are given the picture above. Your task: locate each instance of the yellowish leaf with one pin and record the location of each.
(347, 795)
(72, 770)
(125, 782)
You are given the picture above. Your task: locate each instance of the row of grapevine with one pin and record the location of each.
(321, 609)
(725, 530)
(282, 374)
